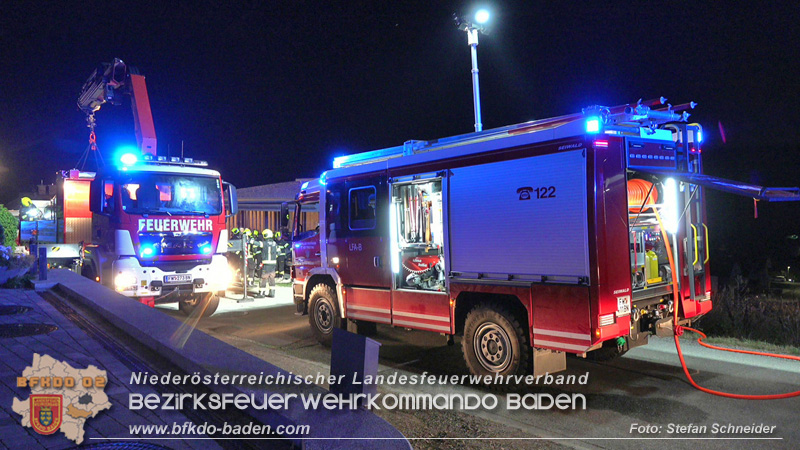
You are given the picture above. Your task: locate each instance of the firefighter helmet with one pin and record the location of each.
(235, 231)
(247, 231)
(255, 233)
(267, 233)
(277, 235)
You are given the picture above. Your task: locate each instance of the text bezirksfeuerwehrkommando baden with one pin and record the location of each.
(409, 401)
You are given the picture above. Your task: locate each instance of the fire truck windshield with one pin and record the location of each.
(171, 194)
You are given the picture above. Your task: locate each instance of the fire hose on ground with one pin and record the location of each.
(679, 331)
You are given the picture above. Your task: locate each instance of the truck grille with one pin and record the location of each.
(152, 245)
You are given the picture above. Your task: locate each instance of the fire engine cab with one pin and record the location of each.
(532, 241)
(159, 233)
(158, 230)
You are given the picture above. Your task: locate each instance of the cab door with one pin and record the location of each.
(362, 247)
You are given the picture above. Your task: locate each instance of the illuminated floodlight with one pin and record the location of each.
(670, 210)
(482, 16)
(593, 125)
(147, 251)
(699, 136)
(394, 248)
(129, 159)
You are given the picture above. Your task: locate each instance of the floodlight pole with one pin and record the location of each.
(472, 40)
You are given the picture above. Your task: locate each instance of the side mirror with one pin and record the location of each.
(97, 198)
(231, 202)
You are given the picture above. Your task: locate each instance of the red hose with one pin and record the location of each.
(679, 330)
(727, 394)
(637, 193)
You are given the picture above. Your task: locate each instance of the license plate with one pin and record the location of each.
(177, 278)
(623, 305)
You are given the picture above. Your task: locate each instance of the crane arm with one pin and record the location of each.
(105, 84)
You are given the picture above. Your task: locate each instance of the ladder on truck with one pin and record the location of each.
(627, 118)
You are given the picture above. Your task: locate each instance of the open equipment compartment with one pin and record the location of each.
(418, 235)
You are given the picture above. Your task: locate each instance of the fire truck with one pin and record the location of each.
(531, 241)
(58, 218)
(158, 230)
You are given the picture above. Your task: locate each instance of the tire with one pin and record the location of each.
(324, 314)
(494, 342)
(204, 304)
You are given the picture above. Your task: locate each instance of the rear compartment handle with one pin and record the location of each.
(708, 255)
(376, 261)
(696, 256)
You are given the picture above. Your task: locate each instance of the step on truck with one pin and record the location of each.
(158, 227)
(530, 241)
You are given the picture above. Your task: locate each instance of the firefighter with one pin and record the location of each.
(247, 248)
(235, 257)
(29, 212)
(256, 247)
(282, 249)
(269, 253)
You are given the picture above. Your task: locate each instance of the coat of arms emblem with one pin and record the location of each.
(46, 413)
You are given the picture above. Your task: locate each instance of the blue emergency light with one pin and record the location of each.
(129, 159)
(593, 125)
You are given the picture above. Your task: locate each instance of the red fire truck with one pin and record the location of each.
(58, 218)
(532, 240)
(158, 224)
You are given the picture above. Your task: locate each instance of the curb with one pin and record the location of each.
(330, 429)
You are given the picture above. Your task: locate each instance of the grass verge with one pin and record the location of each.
(750, 344)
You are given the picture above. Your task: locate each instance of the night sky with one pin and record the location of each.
(269, 91)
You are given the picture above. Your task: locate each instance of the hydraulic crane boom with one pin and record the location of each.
(105, 84)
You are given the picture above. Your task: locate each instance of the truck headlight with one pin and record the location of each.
(125, 281)
(222, 278)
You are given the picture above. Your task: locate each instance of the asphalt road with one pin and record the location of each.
(646, 387)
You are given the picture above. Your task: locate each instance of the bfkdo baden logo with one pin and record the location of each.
(46, 413)
(62, 397)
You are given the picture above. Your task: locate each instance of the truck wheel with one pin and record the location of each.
(206, 304)
(494, 342)
(323, 313)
